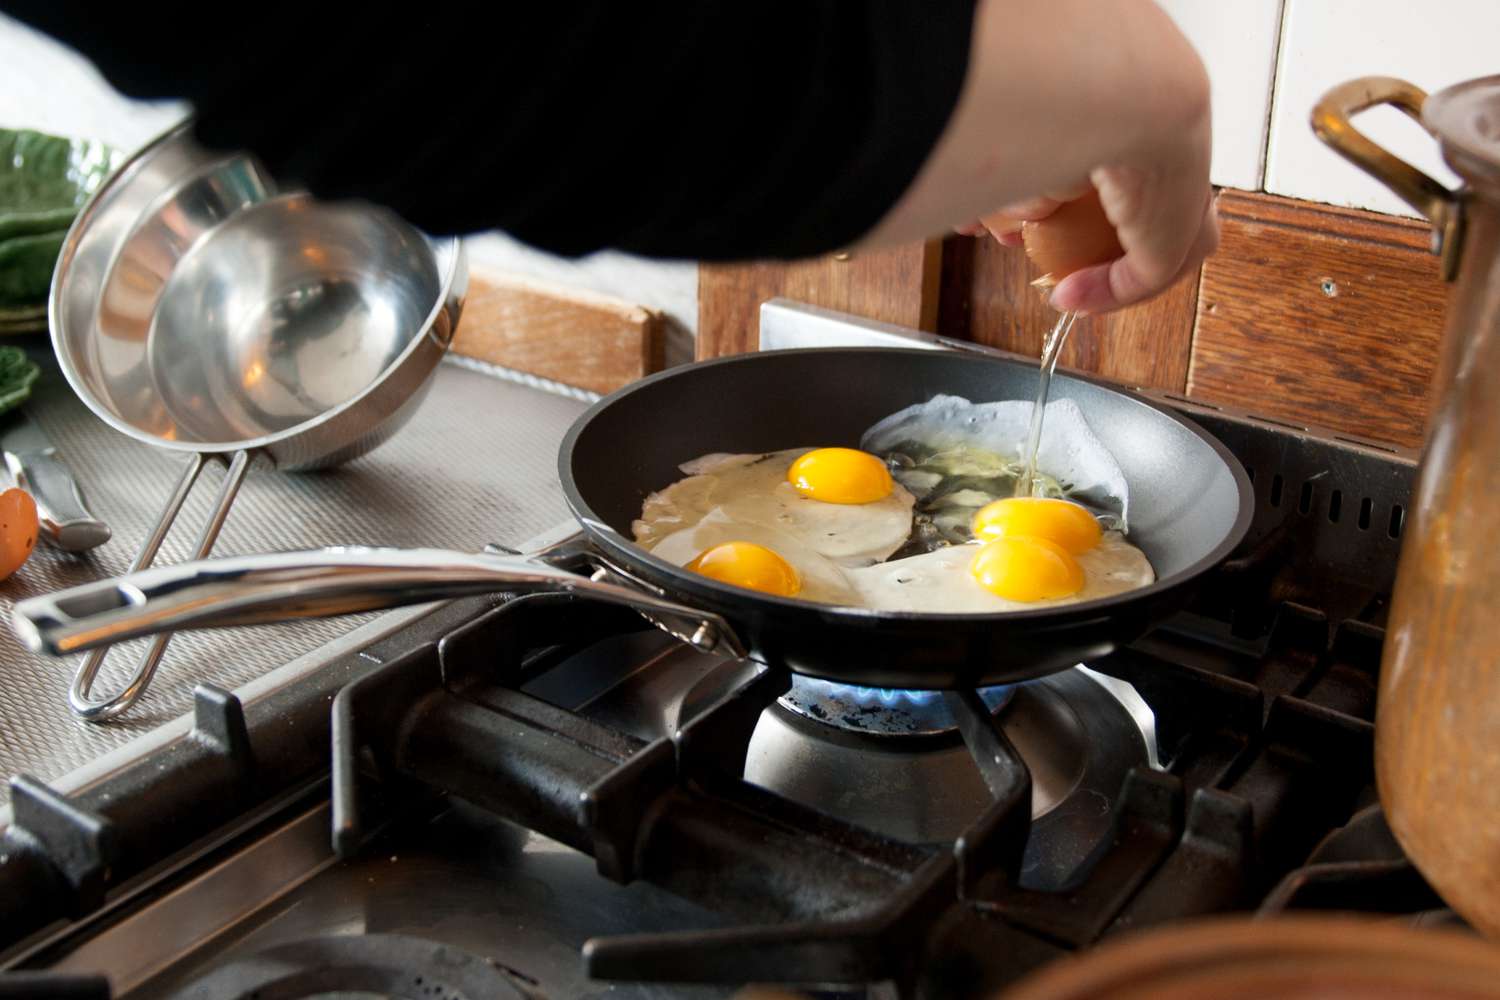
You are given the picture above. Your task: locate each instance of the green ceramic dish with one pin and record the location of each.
(15, 314)
(22, 319)
(26, 264)
(45, 179)
(17, 374)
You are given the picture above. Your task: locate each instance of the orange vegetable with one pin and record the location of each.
(1076, 236)
(17, 530)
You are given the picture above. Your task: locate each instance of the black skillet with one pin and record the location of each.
(1190, 506)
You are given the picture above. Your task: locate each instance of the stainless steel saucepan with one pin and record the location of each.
(199, 307)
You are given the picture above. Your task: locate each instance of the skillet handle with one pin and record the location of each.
(321, 583)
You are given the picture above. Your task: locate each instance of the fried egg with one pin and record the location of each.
(823, 525)
(948, 579)
(1061, 522)
(818, 577)
(835, 502)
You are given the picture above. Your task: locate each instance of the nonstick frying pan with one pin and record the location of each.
(1190, 506)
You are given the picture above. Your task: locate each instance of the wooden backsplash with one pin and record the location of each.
(1307, 313)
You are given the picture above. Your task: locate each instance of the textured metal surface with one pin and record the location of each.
(476, 464)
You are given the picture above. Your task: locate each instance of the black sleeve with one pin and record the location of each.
(693, 129)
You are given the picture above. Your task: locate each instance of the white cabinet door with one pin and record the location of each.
(1237, 40)
(1325, 42)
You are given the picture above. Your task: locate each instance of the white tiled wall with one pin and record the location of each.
(1325, 42)
(1237, 40)
(1271, 60)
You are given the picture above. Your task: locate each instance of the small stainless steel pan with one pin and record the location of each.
(1190, 500)
(199, 307)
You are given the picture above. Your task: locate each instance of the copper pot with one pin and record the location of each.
(1437, 726)
(1288, 958)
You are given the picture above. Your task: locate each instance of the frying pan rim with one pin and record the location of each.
(685, 585)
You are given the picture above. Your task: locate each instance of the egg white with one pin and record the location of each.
(822, 579)
(939, 581)
(753, 490)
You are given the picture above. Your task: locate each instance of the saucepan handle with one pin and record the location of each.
(253, 590)
(81, 698)
(1331, 122)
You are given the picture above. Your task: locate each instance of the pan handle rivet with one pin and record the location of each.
(705, 638)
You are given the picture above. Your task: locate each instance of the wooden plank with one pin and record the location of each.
(988, 298)
(568, 335)
(892, 286)
(1320, 315)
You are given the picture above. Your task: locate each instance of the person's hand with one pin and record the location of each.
(1154, 257)
(1067, 93)
(1005, 225)
(1165, 219)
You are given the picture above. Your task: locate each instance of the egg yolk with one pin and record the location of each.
(1060, 521)
(840, 475)
(1026, 569)
(746, 564)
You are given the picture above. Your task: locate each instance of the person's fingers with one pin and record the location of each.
(1159, 215)
(1109, 286)
(1010, 218)
(1006, 238)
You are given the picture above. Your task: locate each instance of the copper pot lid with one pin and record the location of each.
(1466, 119)
(1288, 958)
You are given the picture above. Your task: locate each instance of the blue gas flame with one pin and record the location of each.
(888, 696)
(896, 697)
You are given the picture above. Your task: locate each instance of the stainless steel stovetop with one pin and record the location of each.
(544, 798)
(477, 464)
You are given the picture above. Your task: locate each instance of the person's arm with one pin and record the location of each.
(1061, 93)
(676, 128)
(714, 131)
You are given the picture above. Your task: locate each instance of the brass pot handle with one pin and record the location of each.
(1330, 121)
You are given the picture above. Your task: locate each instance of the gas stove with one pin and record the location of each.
(545, 797)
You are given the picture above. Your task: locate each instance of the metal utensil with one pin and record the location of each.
(200, 308)
(33, 463)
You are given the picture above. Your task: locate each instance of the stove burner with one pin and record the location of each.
(371, 965)
(1078, 732)
(880, 711)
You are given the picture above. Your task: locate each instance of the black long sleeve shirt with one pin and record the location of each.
(690, 129)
